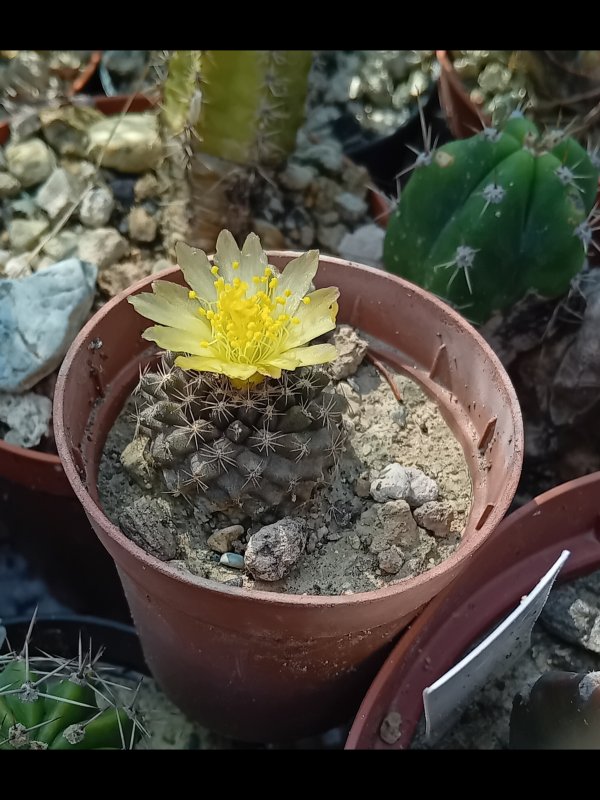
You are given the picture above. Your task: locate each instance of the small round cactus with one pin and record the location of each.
(51, 703)
(485, 220)
(237, 417)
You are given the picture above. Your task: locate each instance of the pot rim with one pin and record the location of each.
(95, 511)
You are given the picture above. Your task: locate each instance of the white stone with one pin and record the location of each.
(364, 245)
(142, 226)
(25, 233)
(297, 177)
(31, 162)
(27, 417)
(351, 206)
(40, 315)
(396, 482)
(103, 247)
(96, 207)
(19, 266)
(57, 193)
(61, 246)
(130, 143)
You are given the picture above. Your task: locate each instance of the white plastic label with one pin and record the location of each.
(445, 700)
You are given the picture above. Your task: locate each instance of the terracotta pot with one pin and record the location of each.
(463, 116)
(522, 549)
(260, 665)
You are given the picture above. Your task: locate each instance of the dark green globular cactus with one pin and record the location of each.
(53, 704)
(484, 221)
(239, 451)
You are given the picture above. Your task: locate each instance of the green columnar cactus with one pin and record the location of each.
(237, 417)
(52, 704)
(244, 106)
(237, 112)
(485, 220)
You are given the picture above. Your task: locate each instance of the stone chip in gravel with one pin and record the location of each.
(142, 226)
(27, 417)
(435, 516)
(9, 185)
(351, 349)
(148, 523)
(222, 540)
(31, 162)
(404, 483)
(273, 550)
(364, 245)
(96, 207)
(60, 190)
(103, 247)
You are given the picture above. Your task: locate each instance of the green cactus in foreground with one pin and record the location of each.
(485, 220)
(52, 704)
(237, 111)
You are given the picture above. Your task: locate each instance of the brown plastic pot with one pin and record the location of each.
(260, 665)
(523, 548)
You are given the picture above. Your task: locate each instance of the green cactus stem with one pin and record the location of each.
(237, 112)
(485, 220)
(56, 705)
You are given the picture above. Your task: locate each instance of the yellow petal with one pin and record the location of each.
(196, 270)
(227, 253)
(315, 354)
(253, 261)
(270, 370)
(158, 309)
(211, 364)
(297, 277)
(176, 340)
(316, 318)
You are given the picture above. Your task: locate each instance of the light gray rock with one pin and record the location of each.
(96, 207)
(392, 484)
(351, 349)
(9, 185)
(61, 246)
(364, 245)
(572, 612)
(40, 316)
(404, 483)
(390, 525)
(131, 143)
(423, 489)
(273, 550)
(24, 123)
(27, 417)
(31, 162)
(142, 226)
(58, 192)
(25, 233)
(146, 187)
(135, 462)
(103, 247)
(435, 516)
(351, 207)
(297, 177)
(4, 257)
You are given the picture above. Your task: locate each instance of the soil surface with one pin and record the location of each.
(342, 553)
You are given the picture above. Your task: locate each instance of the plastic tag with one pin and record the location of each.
(445, 700)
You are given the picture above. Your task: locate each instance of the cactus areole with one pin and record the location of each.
(484, 221)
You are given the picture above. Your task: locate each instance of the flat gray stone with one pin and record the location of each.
(364, 245)
(9, 185)
(57, 193)
(131, 143)
(40, 315)
(273, 550)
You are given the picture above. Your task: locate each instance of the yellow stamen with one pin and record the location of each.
(295, 321)
(306, 300)
(214, 270)
(235, 265)
(288, 293)
(192, 295)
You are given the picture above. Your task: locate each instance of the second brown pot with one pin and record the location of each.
(263, 666)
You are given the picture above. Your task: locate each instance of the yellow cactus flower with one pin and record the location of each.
(240, 316)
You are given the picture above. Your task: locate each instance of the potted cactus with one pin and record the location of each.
(236, 421)
(56, 703)
(486, 220)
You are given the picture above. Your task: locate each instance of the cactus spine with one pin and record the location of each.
(239, 111)
(52, 704)
(483, 221)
